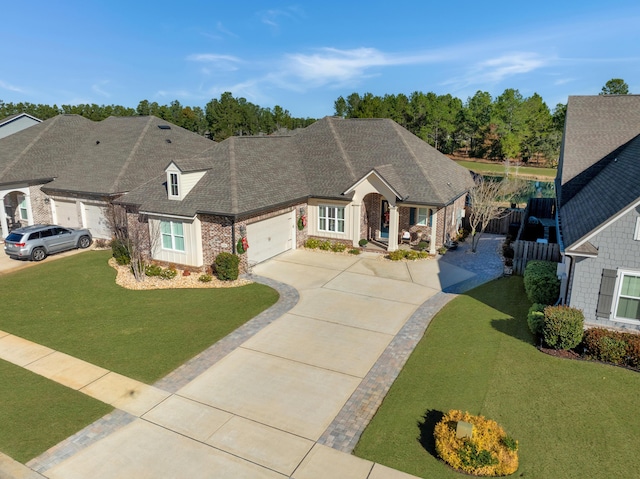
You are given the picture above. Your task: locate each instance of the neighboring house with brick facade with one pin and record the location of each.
(349, 179)
(67, 169)
(598, 193)
(14, 123)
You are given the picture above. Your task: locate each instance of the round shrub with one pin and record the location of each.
(338, 247)
(363, 242)
(541, 282)
(205, 278)
(563, 327)
(227, 266)
(423, 245)
(153, 270)
(312, 243)
(535, 318)
(489, 451)
(354, 251)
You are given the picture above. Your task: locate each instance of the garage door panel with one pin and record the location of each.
(270, 237)
(97, 222)
(67, 213)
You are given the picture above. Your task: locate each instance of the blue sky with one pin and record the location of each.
(303, 55)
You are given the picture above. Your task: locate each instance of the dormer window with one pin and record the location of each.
(173, 185)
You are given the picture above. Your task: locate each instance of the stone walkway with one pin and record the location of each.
(344, 432)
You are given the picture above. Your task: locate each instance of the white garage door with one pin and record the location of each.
(96, 221)
(268, 238)
(67, 214)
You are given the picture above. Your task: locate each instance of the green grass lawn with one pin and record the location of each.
(73, 305)
(544, 174)
(36, 413)
(573, 419)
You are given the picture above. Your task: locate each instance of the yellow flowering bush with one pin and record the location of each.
(489, 452)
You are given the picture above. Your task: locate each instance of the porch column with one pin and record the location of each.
(356, 211)
(27, 200)
(434, 227)
(3, 219)
(394, 220)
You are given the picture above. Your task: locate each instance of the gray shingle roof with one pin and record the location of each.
(249, 174)
(600, 169)
(107, 157)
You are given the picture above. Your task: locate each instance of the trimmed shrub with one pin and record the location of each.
(205, 278)
(614, 347)
(354, 251)
(312, 243)
(489, 452)
(540, 282)
(152, 270)
(338, 247)
(120, 252)
(363, 242)
(535, 318)
(227, 266)
(169, 273)
(563, 327)
(325, 245)
(423, 245)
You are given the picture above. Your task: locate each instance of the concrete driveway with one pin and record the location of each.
(264, 409)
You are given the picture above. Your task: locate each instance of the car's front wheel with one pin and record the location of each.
(38, 254)
(84, 242)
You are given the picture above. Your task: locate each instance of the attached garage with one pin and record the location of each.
(96, 221)
(67, 214)
(270, 237)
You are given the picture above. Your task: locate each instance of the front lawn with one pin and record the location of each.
(73, 305)
(573, 419)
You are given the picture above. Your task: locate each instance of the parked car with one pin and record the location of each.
(36, 242)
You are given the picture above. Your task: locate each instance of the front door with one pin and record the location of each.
(384, 219)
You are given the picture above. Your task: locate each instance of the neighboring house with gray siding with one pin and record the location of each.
(14, 123)
(598, 188)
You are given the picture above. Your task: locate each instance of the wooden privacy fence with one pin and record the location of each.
(523, 251)
(499, 226)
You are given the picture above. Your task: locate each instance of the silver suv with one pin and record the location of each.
(38, 241)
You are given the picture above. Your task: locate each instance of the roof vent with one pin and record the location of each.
(168, 140)
(164, 127)
(97, 142)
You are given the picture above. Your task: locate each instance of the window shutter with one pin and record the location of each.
(412, 216)
(605, 297)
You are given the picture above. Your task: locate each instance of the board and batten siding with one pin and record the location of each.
(192, 229)
(312, 220)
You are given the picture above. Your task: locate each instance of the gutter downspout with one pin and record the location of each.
(233, 235)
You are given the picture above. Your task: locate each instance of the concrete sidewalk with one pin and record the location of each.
(271, 404)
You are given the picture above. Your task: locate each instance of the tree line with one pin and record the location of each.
(508, 127)
(220, 119)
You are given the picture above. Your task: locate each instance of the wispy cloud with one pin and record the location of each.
(97, 87)
(273, 18)
(213, 60)
(7, 86)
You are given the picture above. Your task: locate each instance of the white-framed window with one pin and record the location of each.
(173, 184)
(423, 216)
(628, 296)
(331, 218)
(636, 234)
(172, 235)
(24, 214)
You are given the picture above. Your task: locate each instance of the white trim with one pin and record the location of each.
(614, 309)
(163, 215)
(365, 177)
(337, 220)
(604, 225)
(636, 234)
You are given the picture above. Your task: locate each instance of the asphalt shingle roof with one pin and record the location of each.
(600, 162)
(249, 174)
(107, 157)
